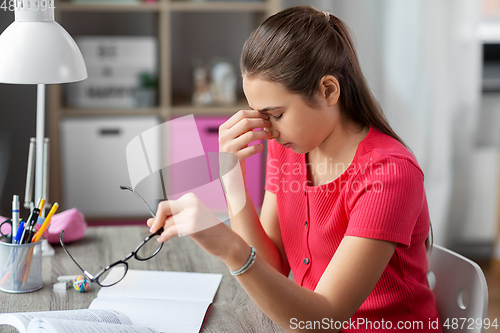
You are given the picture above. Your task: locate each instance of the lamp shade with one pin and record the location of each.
(37, 50)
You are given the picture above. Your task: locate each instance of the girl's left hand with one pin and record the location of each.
(189, 216)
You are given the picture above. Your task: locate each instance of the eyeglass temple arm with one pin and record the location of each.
(67, 252)
(137, 194)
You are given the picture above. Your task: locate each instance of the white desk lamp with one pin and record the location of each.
(35, 49)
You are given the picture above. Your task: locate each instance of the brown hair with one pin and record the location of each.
(298, 46)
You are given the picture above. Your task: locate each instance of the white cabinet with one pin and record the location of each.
(94, 165)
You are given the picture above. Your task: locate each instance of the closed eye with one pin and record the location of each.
(276, 117)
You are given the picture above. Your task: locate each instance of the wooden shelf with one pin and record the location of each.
(75, 112)
(249, 6)
(206, 110)
(67, 6)
(174, 6)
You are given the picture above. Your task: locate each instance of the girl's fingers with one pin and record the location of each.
(238, 116)
(250, 151)
(245, 125)
(169, 232)
(242, 134)
(150, 221)
(163, 212)
(241, 142)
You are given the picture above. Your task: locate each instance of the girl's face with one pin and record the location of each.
(294, 123)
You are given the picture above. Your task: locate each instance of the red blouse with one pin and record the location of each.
(381, 195)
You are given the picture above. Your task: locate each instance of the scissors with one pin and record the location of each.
(7, 238)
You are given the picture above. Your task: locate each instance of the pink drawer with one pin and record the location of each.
(184, 145)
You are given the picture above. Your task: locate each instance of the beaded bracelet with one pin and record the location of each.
(249, 263)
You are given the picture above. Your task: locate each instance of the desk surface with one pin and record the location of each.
(231, 311)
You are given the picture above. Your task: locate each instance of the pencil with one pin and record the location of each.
(5, 278)
(40, 205)
(46, 223)
(28, 258)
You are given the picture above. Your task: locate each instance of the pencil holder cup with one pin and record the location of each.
(20, 267)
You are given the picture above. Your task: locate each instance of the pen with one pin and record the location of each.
(46, 223)
(34, 219)
(15, 215)
(24, 233)
(19, 233)
(28, 225)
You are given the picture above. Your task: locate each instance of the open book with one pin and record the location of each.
(144, 301)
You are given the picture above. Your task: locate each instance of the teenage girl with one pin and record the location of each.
(345, 208)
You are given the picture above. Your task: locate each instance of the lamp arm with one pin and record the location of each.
(45, 180)
(28, 194)
(40, 136)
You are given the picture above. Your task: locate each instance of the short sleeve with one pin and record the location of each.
(386, 200)
(272, 170)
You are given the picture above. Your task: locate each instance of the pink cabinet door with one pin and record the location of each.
(208, 128)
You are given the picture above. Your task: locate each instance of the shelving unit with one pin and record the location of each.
(166, 17)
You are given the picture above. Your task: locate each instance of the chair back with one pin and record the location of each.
(460, 289)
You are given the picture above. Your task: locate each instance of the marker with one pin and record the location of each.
(15, 215)
(46, 223)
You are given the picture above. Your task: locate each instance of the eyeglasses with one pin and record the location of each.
(115, 272)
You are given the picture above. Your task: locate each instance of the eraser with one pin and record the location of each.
(40, 220)
(60, 286)
(65, 278)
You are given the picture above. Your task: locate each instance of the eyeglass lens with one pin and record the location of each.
(113, 275)
(148, 249)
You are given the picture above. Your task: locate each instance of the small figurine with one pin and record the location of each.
(223, 83)
(201, 94)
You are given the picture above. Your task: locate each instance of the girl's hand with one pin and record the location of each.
(238, 131)
(189, 216)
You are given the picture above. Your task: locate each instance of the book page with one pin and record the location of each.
(20, 320)
(165, 285)
(163, 315)
(68, 326)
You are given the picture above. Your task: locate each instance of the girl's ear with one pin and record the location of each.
(330, 89)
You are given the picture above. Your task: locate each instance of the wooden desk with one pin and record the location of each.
(231, 311)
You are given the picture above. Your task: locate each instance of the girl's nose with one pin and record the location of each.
(274, 133)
